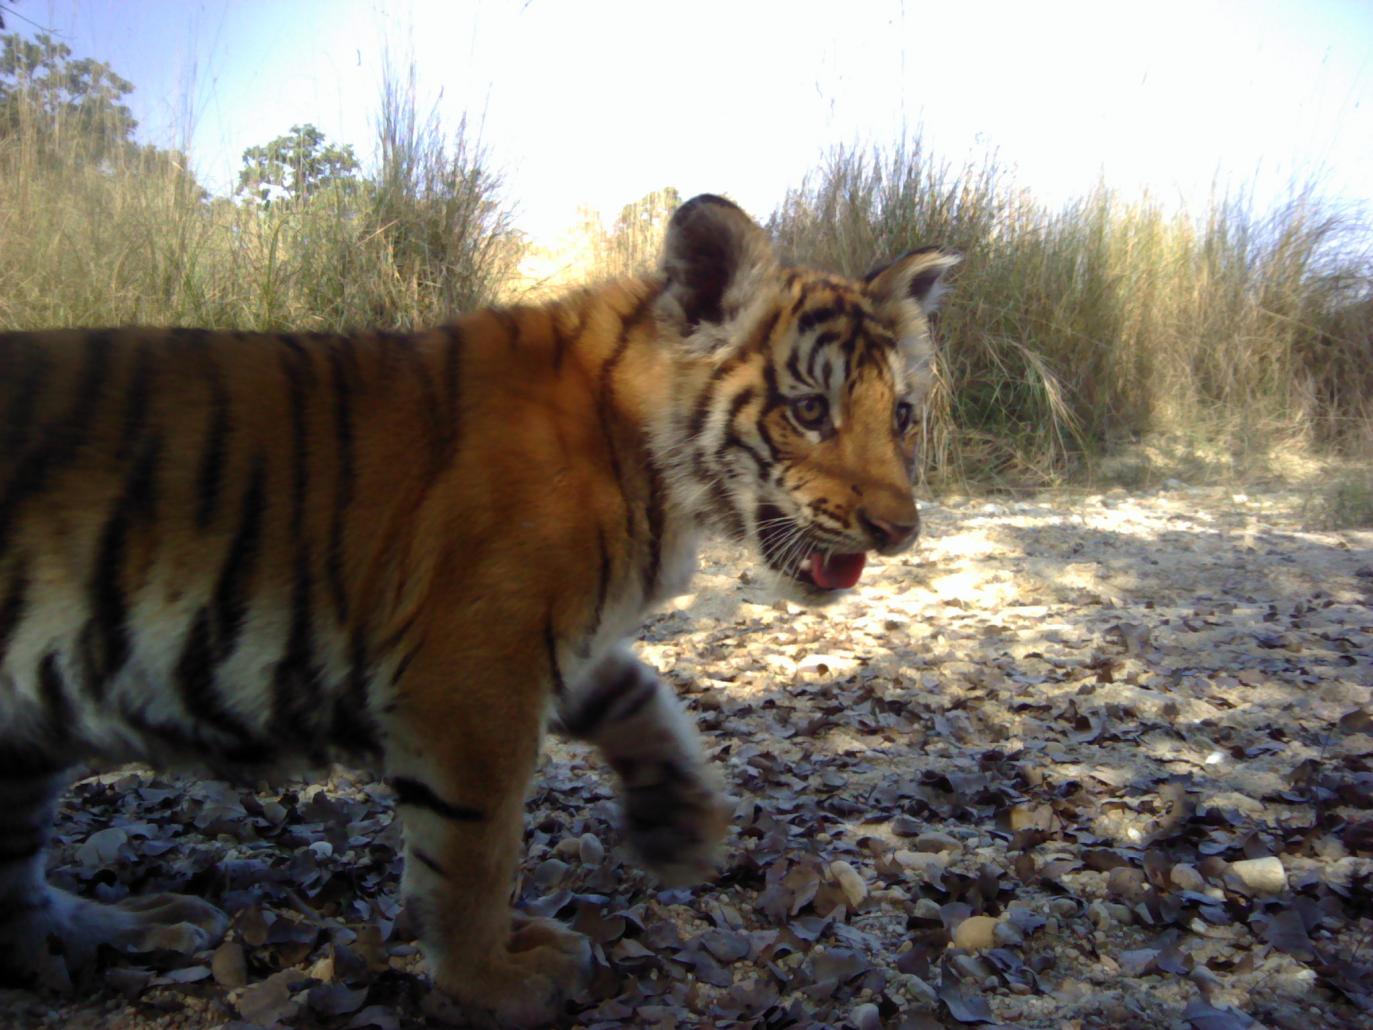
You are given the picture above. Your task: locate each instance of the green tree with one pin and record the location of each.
(297, 165)
(60, 103)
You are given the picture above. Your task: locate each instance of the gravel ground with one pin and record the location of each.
(1092, 761)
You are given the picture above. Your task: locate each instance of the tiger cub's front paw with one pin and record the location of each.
(675, 818)
(529, 982)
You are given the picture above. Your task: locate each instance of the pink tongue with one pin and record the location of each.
(838, 571)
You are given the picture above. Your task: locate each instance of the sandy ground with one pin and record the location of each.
(1092, 761)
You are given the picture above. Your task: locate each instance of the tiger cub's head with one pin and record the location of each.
(800, 433)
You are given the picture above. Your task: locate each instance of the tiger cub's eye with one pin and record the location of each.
(811, 411)
(903, 416)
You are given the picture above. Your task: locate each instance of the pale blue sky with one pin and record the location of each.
(597, 103)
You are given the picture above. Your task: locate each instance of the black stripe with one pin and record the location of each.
(563, 340)
(738, 403)
(105, 639)
(210, 475)
(762, 336)
(404, 663)
(12, 609)
(173, 735)
(25, 394)
(353, 727)
(774, 396)
(821, 344)
(550, 643)
(297, 701)
(185, 742)
(733, 441)
(194, 677)
(296, 682)
(617, 700)
(794, 362)
(58, 713)
(431, 406)
(229, 603)
(295, 364)
(849, 344)
(136, 397)
(602, 582)
(510, 324)
(60, 440)
(429, 863)
(343, 494)
(701, 410)
(810, 319)
(773, 399)
(420, 795)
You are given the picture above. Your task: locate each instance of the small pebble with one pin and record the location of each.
(1099, 915)
(866, 1017)
(1125, 881)
(928, 910)
(1186, 877)
(1064, 908)
(935, 841)
(850, 882)
(230, 965)
(590, 849)
(1265, 875)
(976, 933)
(1122, 914)
(922, 865)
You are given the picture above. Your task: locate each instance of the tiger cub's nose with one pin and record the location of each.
(888, 537)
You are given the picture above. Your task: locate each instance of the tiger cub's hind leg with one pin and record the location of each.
(675, 811)
(48, 935)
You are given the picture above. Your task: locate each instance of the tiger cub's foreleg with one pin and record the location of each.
(675, 811)
(460, 761)
(47, 934)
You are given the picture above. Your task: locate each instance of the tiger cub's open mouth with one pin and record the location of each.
(791, 551)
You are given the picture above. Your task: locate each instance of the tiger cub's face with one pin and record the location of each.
(804, 436)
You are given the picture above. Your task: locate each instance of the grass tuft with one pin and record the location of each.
(1074, 335)
(129, 237)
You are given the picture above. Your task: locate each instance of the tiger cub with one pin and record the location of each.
(252, 550)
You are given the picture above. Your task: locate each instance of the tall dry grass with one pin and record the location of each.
(1072, 333)
(128, 236)
(1075, 331)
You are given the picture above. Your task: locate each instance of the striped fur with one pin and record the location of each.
(252, 551)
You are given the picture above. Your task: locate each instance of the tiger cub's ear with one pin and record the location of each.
(908, 289)
(716, 260)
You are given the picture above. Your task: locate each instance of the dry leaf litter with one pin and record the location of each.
(1077, 762)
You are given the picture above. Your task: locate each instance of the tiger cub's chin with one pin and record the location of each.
(246, 549)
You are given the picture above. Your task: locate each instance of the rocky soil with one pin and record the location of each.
(1080, 762)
